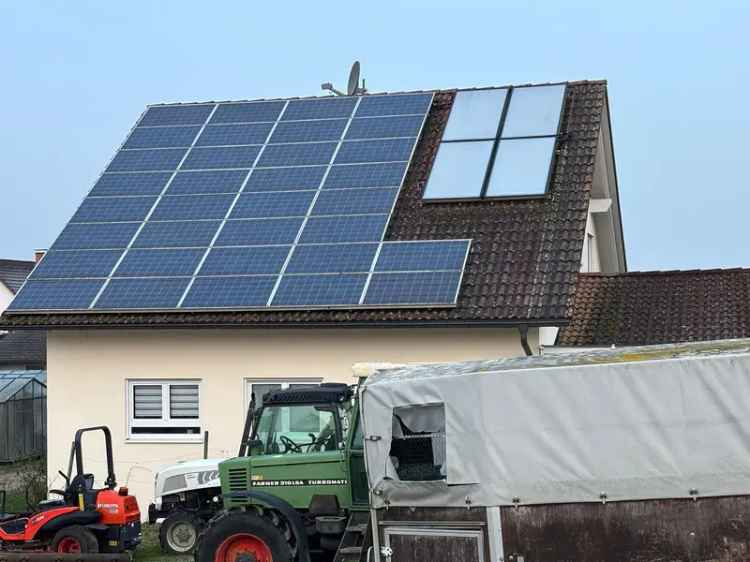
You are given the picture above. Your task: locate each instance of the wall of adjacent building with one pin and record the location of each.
(88, 374)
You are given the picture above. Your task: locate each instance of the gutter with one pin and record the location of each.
(523, 331)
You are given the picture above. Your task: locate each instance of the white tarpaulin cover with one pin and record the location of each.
(635, 423)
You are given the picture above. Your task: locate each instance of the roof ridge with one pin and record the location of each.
(385, 92)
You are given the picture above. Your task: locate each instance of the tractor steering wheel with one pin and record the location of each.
(289, 445)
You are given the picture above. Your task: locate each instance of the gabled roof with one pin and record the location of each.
(14, 272)
(654, 307)
(524, 256)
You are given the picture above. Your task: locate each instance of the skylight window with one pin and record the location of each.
(497, 143)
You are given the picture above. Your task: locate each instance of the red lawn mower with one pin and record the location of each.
(83, 520)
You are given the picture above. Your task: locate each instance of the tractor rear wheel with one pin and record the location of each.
(242, 536)
(179, 533)
(75, 540)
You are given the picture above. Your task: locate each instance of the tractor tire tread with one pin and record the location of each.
(88, 541)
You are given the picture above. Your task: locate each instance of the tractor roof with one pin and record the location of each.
(325, 393)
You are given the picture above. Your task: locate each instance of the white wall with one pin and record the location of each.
(88, 373)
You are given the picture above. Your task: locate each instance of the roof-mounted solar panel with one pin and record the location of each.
(251, 205)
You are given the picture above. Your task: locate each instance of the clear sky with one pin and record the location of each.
(76, 75)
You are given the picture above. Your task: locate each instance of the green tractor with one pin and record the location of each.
(298, 487)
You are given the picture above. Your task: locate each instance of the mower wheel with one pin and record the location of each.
(238, 536)
(179, 533)
(75, 540)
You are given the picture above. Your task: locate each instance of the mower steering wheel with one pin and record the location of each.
(57, 492)
(289, 445)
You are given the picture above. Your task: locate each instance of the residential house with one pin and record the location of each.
(19, 349)
(525, 174)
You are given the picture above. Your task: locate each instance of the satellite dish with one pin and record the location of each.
(353, 86)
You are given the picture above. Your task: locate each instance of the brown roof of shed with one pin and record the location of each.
(652, 307)
(524, 257)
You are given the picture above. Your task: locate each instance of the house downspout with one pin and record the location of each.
(523, 330)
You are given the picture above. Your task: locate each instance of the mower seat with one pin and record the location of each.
(13, 525)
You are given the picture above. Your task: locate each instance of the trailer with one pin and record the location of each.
(639, 454)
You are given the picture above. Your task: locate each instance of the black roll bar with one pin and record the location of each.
(111, 481)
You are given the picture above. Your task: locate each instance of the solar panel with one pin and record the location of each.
(113, 209)
(139, 294)
(280, 204)
(497, 143)
(76, 263)
(90, 236)
(149, 263)
(243, 133)
(345, 228)
(257, 232)
(161, 137)
(216, 181)
(225, 292)
(297, 154)
(332, 258)
(146, 160)
(221, 157)
(189, 207)
(413, 288)
(388, 174)
(432, 255)
(319, 290)
(371, 200)
(253, 260)
(57, 294)
(176, 234)
(141, 183)
(309, 131)
(176, 115)
(285, 179)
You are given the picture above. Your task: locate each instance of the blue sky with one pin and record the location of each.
(76, 75)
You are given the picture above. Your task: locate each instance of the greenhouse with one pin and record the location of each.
(23, 415)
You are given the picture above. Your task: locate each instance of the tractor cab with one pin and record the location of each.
(301, 456)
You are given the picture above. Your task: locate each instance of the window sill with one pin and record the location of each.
(165, 440)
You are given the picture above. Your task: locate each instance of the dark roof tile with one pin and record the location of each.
(653, 307)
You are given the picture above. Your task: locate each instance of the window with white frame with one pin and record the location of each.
(159, 409)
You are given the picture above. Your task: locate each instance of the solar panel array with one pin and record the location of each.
(249, 205)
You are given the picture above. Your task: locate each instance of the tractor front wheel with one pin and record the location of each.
(242, 536)
(74, 540)
(179, 533)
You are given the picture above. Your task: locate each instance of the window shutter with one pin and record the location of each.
(147, 401)
(183, 401)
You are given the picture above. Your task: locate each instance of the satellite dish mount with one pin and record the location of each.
(353, 88)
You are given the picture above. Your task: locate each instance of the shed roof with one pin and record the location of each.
(12, 382)
(653, 307)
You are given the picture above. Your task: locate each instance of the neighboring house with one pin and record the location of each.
(652, 307)
(19, 349)
(161, 374)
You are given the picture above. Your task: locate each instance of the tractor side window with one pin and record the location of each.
(418, 443)
(303, 428)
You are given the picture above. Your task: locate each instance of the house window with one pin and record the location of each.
(159, 409)
(497, 143)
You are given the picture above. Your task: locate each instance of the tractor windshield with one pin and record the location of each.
(297, 428)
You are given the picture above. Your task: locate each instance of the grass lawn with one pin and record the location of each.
(149, 550)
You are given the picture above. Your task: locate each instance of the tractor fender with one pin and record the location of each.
(291, 515)
(83, 518)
